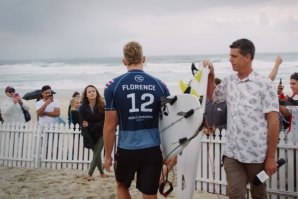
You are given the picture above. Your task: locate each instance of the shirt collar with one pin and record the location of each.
(135, 70)
(251, 77)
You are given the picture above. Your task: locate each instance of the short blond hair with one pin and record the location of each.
(72, 101)
(133, 53)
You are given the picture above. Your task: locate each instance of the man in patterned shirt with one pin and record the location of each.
(252, 126)
(133, 102)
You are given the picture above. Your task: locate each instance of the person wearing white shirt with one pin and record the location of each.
(11, 107)
(47, 109)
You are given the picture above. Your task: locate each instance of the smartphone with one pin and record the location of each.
(51, 97)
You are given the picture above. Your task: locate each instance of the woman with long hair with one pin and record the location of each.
(92, 120)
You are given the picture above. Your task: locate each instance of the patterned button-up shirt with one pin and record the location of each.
(248, 100)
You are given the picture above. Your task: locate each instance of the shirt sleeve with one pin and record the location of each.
(270, 100)
(6, 107)
(165, 89)
(25, 105)
(109, 99)
(39, 104)
(57, 104)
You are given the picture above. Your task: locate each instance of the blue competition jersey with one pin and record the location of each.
(136, 97)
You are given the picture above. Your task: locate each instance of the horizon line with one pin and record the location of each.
(112, 57)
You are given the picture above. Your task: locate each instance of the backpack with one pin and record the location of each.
(26, 115)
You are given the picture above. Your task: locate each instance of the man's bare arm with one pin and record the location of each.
(109, 130)
(283, 110)
(54, 113)
(211, 77)
(278, 61)
(272, 140)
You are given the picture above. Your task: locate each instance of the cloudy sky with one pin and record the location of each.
(37, 29)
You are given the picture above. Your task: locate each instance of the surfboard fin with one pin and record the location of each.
(198, 75)
(193, 92)
(196, 72)
(187, 89)
(194, 69)
(184, 87)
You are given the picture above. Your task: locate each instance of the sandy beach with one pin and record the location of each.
(24, 183)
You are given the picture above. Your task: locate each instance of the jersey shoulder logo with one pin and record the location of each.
(139, 78)
(108, 84)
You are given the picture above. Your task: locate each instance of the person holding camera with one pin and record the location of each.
(11, 107)
(48, 108)
(292, 111)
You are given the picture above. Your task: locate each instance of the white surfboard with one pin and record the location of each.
(187, 160)
(187, 165)
(179, 122)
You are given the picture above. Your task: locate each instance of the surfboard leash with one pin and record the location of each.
(212, 167)
(165, 182)
(186, 140)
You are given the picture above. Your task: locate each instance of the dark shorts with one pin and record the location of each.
(145, 163)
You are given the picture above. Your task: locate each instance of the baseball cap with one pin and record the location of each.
(46, 87)
(10, 89)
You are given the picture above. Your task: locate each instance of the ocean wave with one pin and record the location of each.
(171, 69)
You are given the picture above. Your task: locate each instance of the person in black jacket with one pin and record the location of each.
(215, 114)
(92, 120)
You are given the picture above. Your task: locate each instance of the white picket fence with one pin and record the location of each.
(211, 176)
(30, 145)
(58, 146)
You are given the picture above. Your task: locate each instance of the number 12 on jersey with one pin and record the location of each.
(146, 98)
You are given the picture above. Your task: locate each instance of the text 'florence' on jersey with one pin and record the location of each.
(136, 97)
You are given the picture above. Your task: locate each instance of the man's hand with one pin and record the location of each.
(108, 163)
(48, 101)
(278, 60)
(15, 100)
(206, 63)
(270, 166)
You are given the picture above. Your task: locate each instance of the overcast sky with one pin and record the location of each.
(37, 29)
